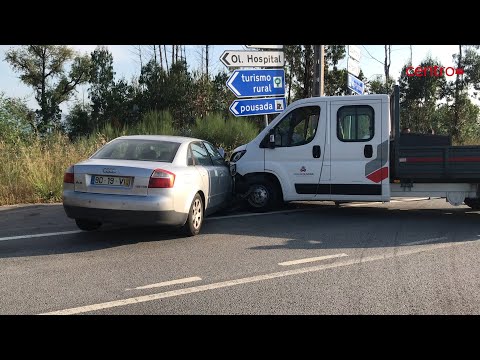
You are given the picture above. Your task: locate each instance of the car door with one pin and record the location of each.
(358, 154)
(204, 164)
(222, 172)
(300, 158)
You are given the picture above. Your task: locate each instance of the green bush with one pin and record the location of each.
(226, 133)
(155, 123)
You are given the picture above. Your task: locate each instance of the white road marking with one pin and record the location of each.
(40, 235)
(381, 203)
(167, 283)
(257, 214)
(312, 259)
(420, 242)
(410, 199)
(365, 203)
(253, 279)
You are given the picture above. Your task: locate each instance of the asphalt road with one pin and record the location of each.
(412, 257)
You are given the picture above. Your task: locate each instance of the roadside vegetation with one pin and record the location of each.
(37, 145)
(32, 168)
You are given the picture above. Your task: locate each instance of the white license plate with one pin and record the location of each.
(111, 180)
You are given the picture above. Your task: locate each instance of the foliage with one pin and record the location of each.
(378, 86)
(419, 96)
(101, 79)
(226, 133)
(42, 67)
(15, 119)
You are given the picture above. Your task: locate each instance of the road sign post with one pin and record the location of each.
(356, 84)
(239, 58)
(250, 84)
(257, 83)
(250, 107)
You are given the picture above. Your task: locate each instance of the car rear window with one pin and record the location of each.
(136, 149)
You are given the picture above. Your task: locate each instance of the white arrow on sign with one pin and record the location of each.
(230, 84)
(233, 108)
(234, 58)
(265, 46)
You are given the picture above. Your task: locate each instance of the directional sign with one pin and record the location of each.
(239, 58)
(353, 66)
(354, 52)
(255, 83)
(355, 84)
(249, 107)
(279, 47)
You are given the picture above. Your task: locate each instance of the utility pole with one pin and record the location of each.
(318, 68)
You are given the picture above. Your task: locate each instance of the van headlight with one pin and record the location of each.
(237, 155)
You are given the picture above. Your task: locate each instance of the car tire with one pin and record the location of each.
(87, 225)
(263, 196)
(473, 203)
(195, 217)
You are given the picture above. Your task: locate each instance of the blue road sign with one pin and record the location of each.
(255, 83)
(355, 84)
(249, 107)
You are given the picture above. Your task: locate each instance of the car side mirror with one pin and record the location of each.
(222, 152)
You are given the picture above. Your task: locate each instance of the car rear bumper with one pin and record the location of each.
(126, 216)
(122, 209)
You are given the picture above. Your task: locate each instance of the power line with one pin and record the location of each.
(372, 55)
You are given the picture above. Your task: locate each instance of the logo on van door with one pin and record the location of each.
(303, 171)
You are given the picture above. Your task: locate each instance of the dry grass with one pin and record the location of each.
(33, 172)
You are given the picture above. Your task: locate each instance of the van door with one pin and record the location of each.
(299, 159)
(358, 154)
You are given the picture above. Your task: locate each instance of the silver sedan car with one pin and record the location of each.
(148, 179)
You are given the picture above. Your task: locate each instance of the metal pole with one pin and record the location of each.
(266, 120)
(318, 71)
(322, 58)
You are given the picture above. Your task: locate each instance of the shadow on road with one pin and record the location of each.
(320, 226)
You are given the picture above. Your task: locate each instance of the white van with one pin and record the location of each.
(338, 148)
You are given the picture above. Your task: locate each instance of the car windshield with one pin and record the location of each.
(137, 149)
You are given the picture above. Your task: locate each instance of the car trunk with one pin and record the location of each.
(121, 177)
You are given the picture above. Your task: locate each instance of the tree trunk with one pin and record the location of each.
(206, 60)
(43, 95)
(307, 72)
(456, 107)
(386, 64)
(290, 79)
(166, 58)
(160, 56)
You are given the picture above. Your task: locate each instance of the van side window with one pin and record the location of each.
(355, 123)
(298, 127)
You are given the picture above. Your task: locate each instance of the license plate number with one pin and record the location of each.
(111, 180)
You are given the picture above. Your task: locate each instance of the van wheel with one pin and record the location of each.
(87, 225)
(473, 203)
(262, 196)
(195, 217)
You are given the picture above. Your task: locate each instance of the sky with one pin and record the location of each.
(126, 64)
